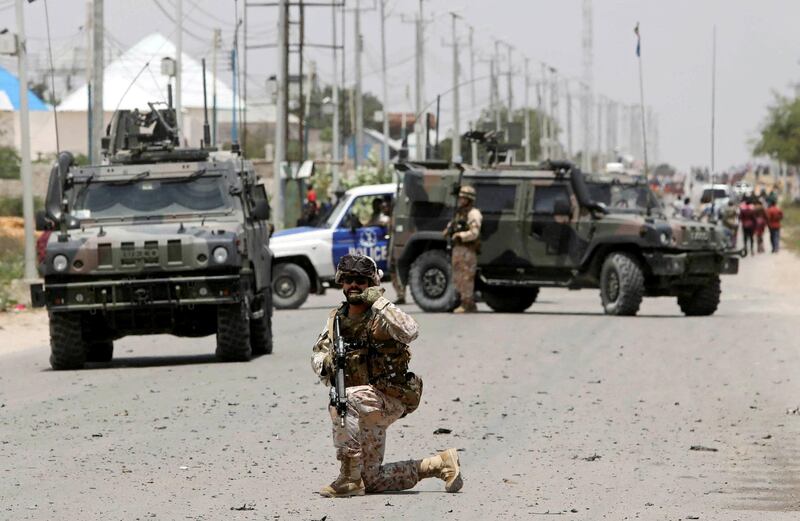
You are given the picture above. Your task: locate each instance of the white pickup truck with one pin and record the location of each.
(305, 258)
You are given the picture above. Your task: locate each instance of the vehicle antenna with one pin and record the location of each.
(52, 75)
(206, 128)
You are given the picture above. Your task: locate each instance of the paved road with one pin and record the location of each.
(559, 411)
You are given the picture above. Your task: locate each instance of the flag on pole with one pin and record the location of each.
(638, 40)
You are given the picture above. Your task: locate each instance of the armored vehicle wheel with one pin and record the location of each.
(621, 285)
(233, 333)
(510, 300)
(702, 300)
(67, 348)
(290, 286)
(102, 351)
(431, 281)
(261, 328)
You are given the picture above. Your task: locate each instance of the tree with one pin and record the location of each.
(780, 133)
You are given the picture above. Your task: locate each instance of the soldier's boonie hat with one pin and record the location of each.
(354, 264)
(468, 192)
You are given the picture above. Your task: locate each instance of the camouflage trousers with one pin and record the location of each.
(369, 414)
(398, 286)
(465, 264)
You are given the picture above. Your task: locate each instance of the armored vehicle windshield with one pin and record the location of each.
(202, 192)
(623, 197)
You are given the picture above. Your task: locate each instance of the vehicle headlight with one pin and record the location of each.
(60, 262)
(664, 238)
(220, 254)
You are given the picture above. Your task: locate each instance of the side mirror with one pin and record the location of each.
(261, 211)
(562, 207)
(41, 221)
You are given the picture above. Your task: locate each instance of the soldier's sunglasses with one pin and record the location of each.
(355, 279)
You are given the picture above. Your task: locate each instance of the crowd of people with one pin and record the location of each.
(754, 214)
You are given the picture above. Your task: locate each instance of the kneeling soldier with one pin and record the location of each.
(379, 387)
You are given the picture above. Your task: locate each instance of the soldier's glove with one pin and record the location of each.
(371, 295)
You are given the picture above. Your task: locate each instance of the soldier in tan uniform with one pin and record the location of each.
(465, 230)
(379, 387)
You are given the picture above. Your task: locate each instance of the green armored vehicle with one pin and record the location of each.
(552, 226)
(161, 239)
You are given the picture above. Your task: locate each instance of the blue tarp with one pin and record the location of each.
(9, 85)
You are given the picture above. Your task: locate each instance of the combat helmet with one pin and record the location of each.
(362, 265)
(468, 192)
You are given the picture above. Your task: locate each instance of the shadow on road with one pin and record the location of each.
(154, 361)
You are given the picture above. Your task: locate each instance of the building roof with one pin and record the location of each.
(123, 89)
(9, 94)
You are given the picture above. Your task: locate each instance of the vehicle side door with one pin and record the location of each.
(502, 244)
(552, 216)
(354, 234)
(257, 236)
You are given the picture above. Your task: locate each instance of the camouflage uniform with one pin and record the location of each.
(380, 390)
(465, 229)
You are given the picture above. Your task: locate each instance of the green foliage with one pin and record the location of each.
(9, 163)
(367, 175)
(12, 206)
(12, 261)
(780, 133)
(790, 227)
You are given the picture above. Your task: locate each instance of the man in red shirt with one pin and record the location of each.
(774, 217)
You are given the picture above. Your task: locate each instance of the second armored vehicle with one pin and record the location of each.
(552, 226)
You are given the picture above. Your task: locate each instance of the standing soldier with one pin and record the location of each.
(379, 387)
(464, 231)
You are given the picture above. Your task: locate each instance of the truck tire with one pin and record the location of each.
(67, 348)
(509, 300)
(261, 328)
(101, 351)
(431, 282)
(621, 285)
(290, 286)
(702, 301)
(233, 333)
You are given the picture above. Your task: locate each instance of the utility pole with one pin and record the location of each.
(509, 115)
(473, 144)
(178, 67)
(600, 154)
(385, 147)
(25, 146)
(424, 128)
(359, 100)
(97, 80)
(215, 47)
(551, 121)
(569, 122)
(586, 99)
(527, 114)
(472, 67)
(544, 127)
(335, 102)
(496, 84)
(419, 94)
(281, 114)
(456, 148)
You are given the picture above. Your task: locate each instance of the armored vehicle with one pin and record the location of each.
(551, 225)
(160, 239)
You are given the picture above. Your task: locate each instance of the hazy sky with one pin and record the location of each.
(758, 47)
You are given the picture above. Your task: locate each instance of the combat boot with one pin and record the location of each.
(444, 466)
(349, 482)
(467, 306)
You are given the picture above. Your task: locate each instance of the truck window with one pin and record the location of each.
(496, 199)
(544, 198)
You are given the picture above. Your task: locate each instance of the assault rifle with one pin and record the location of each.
(338, 394)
